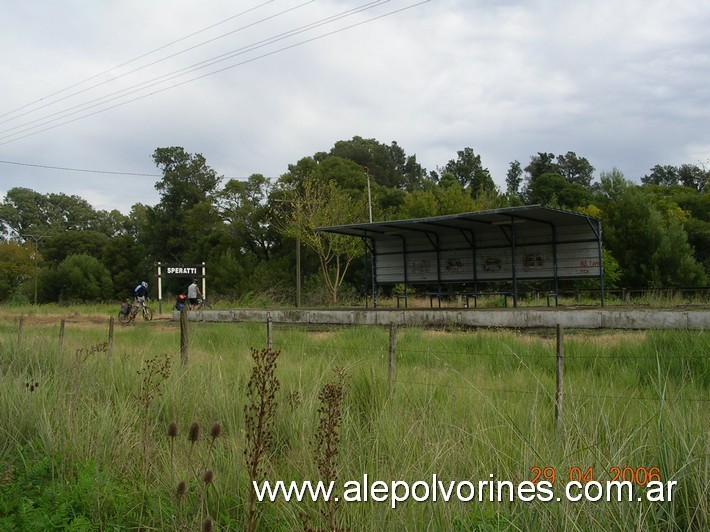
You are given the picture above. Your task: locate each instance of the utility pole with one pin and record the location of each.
(298, 259)
(369, 193)
(36, 238)
(372, 265)
(298, 250)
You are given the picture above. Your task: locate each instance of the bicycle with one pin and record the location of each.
(202, 304)
(133, 310)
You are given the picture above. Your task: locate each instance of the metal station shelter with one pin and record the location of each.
(472, 252)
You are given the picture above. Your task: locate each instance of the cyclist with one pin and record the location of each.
(140, 293)
(192, 292)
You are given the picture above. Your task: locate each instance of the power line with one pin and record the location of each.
(112, 172)
(79, 169)
(146, 54)
(134, 71)
(65, 113)
(273, 52)
(97, 102)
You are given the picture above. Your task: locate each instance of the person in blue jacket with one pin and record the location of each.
(140, 293)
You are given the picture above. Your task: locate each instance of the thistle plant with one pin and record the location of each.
(327, 438)
(199, 476)
(172, 434)
(180, 493)
(155, 372)
(259, 414)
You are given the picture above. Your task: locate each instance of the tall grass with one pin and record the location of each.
(83, 446)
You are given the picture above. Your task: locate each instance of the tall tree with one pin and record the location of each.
(542, 163)
(187, 183)
(468, 170)
(25, 211)
(694, 176)
(17, 267)
(244, 207)
(388, 166)
(575, 169)
(661, 175)
(320, 203)
(651, 246)
(554, 190)
(514, 178)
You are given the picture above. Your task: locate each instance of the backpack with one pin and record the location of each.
(125, 308)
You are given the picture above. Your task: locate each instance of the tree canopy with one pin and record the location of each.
(657, 231)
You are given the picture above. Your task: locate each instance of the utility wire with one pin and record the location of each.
(396, 11)
(146, 54)
(112, 172)
(136, 70)
(65, 113)
(117, 95)
(79, 169)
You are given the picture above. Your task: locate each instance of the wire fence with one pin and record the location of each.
(398, 357)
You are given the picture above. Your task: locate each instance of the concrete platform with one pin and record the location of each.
(517, 318)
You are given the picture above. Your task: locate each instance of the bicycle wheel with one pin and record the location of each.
(124, 318)
(147, 314)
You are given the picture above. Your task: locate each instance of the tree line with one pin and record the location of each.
(56, 247)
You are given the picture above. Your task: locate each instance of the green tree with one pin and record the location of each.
(17, 267)
(468, 170)
(245, 208)
(612, 185)
(665, 175)
(542, 163)
(652, 251)
(555, 191)
(124, 257)
(452, 198)
(514, 178)
(320, 203)
(58, 245)
(575, 169)
(389, 166)
(694, 177)
(23, 211)
(419, 204)
(79, 278)
(26, 211)
(187, 183)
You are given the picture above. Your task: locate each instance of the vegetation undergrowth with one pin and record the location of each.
(93, 438)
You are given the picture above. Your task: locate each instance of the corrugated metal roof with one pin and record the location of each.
(589, 226)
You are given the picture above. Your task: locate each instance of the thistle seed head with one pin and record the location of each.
(194, 433)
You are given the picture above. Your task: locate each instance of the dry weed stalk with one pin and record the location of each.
(195, 456)
(155, 372)
(327, 438)
(259, 420)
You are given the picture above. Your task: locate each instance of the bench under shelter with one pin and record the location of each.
(482, 253)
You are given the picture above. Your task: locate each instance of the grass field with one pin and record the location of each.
(102, 437)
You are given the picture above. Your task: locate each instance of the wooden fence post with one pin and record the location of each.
(269, 333)
(20, 327)
(560, 376)
(61, 333)
(183, 336)
(392, 371)
(110, 335)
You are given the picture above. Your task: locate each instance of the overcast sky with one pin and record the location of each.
(91, 85)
